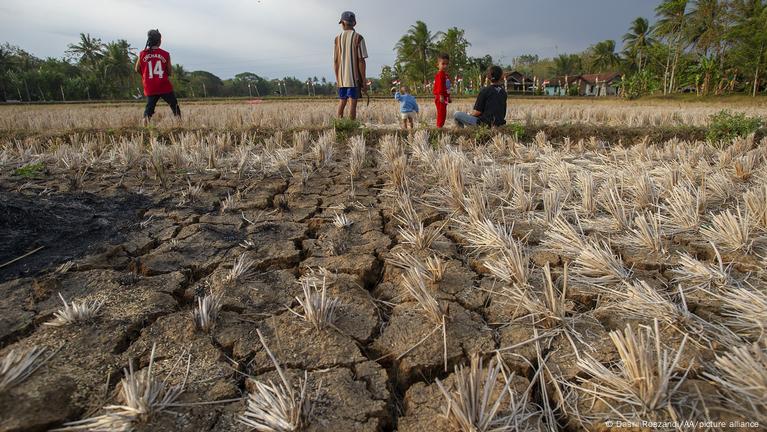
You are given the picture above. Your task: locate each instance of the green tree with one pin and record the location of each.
(637, 42)
(748, 37)
(454, 43)
(567, 64)
(385, 78)
(88, 51)
(116, 66)
(416, 51)
(603, 56)
(205, 84)
(672, 27)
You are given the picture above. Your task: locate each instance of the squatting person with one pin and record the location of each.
(349, 63)
(490, 107)
(154, 66)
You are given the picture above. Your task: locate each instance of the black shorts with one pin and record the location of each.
(170, 98)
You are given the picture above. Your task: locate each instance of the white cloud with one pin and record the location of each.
(278, 37)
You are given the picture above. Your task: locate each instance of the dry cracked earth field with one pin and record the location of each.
(372, 281)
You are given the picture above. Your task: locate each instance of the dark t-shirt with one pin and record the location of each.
(491, 102)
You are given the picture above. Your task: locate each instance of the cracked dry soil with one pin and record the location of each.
(147, 258)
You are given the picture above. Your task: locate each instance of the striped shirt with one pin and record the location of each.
(349, 49)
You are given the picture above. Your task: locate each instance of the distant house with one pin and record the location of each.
(559, 86)
(518, 82)
(604, 84)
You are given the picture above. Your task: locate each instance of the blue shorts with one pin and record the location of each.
(349, 93)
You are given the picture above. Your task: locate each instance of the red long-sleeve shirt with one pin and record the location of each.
(440, 85)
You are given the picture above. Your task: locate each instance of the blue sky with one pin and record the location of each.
(278, 37)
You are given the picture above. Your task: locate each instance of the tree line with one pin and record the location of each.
(92, 69)
(701, 46)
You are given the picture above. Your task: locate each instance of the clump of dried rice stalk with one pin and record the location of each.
(398, 173)
(356, 155)
(509, 265)
(563, 239)
(647, 234)
(552, 204)
(548, 311)
(435, 268)
(230, 202)
(596, 264)
(682, 207)
(324, 149)
(613, 204)
(477, 402)
(241, 268)
(512, 177)
(485, 236)
(319, 309)
(476, 203)
(742, 376)
(756, 204)
(720, 187)
(745, 310)
(523, 200)
(300, 140)
(190, 194)
(645, 192)
(640, 302)
(699, 275)
(421, 149)
(278, 407)
(455, 180)
(75, 312)
(413, 281)
(391, 148)
(207, 310)
(586, 187)
(412, 228)
(341, 220)
(729, 232)
(18, 365)
(744, 166)
(645, 379)
(143, 396)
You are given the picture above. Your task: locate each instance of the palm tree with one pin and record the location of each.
(706, 32)
(567, 64)
(454, 43)
(117, 64)
(88, 51)
(604, 57)
(415, 50)
(671, 26)
(637, 41)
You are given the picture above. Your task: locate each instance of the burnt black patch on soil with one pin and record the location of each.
(65, 225)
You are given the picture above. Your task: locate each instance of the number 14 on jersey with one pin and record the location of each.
(155, 69)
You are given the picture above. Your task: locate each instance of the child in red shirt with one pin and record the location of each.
(441, 95)
(154, 66)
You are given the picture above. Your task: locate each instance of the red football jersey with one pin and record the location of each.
(440, 84)
(155, 68)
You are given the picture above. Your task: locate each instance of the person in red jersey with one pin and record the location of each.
(441, 95)
(154, 66)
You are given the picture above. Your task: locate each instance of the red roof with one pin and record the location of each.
(603, 77)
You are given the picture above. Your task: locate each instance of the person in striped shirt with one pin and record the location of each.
(349, 62)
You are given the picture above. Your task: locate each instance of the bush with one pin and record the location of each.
(345, 125)
(725, 126)
(517, 130)
(33, 170)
